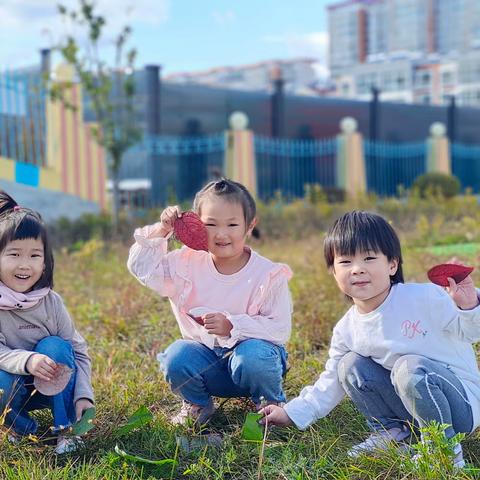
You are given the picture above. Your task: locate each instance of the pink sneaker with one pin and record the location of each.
(198, 414)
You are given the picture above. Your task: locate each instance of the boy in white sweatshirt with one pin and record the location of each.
(403, 352)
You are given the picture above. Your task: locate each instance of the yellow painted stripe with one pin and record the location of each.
(50, 179)
(7, 169)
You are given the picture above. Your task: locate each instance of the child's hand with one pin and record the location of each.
(464, 293)
(41, 366)
(217, 324)
(81, 405)
(275, 415)
(167, 219)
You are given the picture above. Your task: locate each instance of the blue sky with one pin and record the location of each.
(180, 35)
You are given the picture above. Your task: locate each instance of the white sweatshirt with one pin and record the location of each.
(415, 318)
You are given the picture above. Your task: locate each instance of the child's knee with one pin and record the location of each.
(176, 358)
(351, 368)
(257, 358)
(407, 372)
(57, 349)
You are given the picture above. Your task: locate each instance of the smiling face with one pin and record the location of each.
(22, 263)
(365, 277)
(227, 231)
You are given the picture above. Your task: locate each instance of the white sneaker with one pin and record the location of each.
(199, 414)
(13, 438)
(458, 460)
(379, 441)
(68, 444)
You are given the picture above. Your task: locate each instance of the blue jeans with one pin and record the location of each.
(253, 368)
(17, 392)
(416, 390)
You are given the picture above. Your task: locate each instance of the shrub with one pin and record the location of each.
(437, 183)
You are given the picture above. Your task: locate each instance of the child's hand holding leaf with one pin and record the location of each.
(217, 324)
(275, 415)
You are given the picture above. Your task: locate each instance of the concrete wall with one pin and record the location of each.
(50, 204)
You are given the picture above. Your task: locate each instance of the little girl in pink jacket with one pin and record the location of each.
(232, 305)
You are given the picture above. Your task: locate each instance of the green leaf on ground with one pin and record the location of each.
(141, 417)
(135, 458)
(252, 430)
(85, 424)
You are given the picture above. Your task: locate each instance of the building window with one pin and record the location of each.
(447, 77)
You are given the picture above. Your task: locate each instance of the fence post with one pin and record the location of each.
(239, 160)
(156, 165)
(438, 150)
(350, 163)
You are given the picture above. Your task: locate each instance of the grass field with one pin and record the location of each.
(126, 325)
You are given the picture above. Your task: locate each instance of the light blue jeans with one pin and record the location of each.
(253, 368)
(17, 392)
(416, 390)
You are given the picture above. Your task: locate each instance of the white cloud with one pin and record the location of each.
(314, 44)
(33, 19)
(223, 18)
(15, 13)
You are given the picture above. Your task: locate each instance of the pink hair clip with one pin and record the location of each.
(16, 208)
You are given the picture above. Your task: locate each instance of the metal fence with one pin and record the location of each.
(392, 165)
(22, 117)
(288, 165)
(466, 165)
(184, 164)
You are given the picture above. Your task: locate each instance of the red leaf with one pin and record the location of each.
(440, 273)
(191, 231)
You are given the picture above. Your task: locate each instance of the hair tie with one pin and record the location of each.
(17, 208)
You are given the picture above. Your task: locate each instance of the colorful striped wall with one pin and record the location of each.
(74, 163)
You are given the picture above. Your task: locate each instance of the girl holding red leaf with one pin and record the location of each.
(232, 305)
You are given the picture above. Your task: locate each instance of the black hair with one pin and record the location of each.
(20, 223)
(231, 191)
(363, 231)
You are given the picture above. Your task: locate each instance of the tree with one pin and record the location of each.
(109, 86)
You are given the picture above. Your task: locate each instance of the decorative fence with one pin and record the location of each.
(22, 117)
(389, 165)
(288, 165)
(466, 165)
(175, 167)
(188, 162)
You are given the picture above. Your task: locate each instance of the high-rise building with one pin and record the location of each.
(412, 50)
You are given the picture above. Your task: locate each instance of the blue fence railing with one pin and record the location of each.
(466, 165)
(188, 162)
(391, 165)
(287, 165)
(22, 117)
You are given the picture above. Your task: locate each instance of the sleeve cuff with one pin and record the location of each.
(148, 237)
(299, 413)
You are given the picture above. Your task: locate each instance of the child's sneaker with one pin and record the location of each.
(260, 405)
(199, 414)
(458, 461)
(68, 444)
(13, 438)
(378, 441)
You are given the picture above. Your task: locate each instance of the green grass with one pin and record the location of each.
(126, 325)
